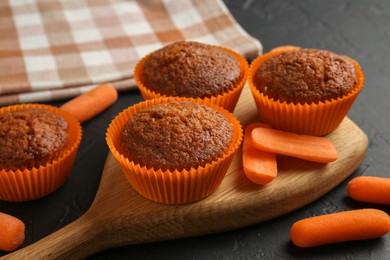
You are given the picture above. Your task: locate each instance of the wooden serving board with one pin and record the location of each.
(120, 216)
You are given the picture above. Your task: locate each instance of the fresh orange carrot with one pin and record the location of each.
(259, 166)
(91, 103)
(370, 189)
(343, 226)
(11, 232)
(311, 148)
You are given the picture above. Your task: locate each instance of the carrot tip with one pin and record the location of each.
(370, 189)
(12, 232)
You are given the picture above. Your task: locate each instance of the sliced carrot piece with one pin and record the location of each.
(259, 166)
(343, 226)
(311, 148)
(370, 189)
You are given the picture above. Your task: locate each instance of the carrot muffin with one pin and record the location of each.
(193, 69)
(174, 150)
(30, 137)
(176, 135)
(38, 145)
(306, 76)
(306, 91)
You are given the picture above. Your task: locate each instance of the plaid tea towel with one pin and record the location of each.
(58, 49)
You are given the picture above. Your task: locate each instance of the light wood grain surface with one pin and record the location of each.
(119, 216)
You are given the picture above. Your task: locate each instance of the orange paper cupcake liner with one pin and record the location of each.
(227, 100)
(31, 184)
(311, 119)
(173, 187)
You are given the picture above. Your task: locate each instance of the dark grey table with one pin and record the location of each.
(357, 28)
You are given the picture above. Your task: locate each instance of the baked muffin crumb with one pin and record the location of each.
(306, 76)
(176, 135)
(30, 137)
(191, 69)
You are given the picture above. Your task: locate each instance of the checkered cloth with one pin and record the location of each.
(57, 49)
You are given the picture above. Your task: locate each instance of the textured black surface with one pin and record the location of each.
(357, 28)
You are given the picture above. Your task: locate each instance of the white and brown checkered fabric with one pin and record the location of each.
(56, 49)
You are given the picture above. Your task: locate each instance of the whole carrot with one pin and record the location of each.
(11, 232)
(370, 189)
(259, 166)
(311, 148)
(91, 103)
(343, 226)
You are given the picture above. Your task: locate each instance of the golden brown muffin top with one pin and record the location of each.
(191, 69)
(28, 136)
(306, 76)
(176, 135)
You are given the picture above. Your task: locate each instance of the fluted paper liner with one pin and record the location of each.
(227, 99)
(172, 187)
(311, 119)
(31, 184)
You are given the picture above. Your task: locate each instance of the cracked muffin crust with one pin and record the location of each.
(29, 138)
(176, 135)
(306, 76)
(191, 69)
